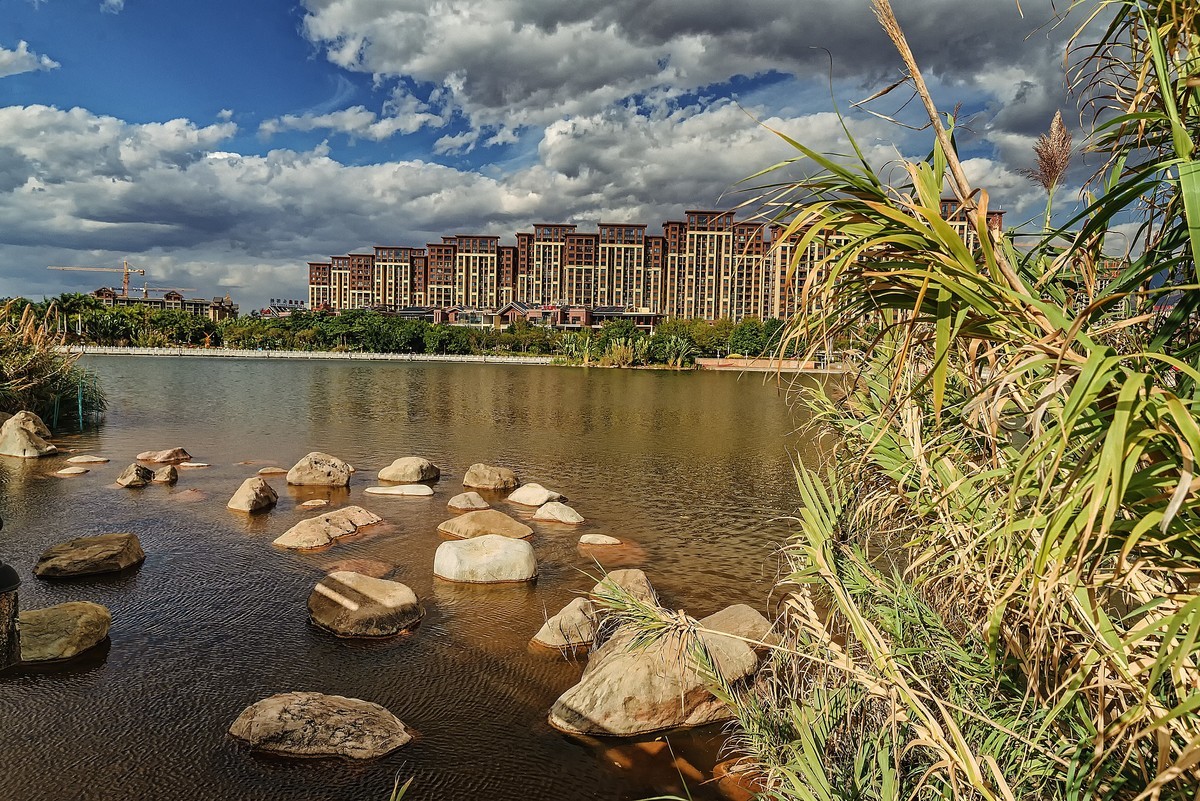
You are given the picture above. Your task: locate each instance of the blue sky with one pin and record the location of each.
(220, 145)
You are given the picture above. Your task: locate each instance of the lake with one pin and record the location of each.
(694, 470)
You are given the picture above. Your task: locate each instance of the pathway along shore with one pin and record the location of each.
(735, 365)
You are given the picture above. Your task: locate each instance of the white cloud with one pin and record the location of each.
(356, 122)
(112, 6)
(14, 62)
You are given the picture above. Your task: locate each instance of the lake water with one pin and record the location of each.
(694, 470)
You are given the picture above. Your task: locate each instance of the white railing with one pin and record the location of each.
(247, 353)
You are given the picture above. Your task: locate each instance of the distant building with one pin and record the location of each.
(217, 309)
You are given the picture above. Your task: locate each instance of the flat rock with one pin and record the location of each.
(162, 457)
(411, 490)
(166, 475)
(304, 724)
(254, 495)
(31, 423)
(598, 539)
(351, 604)
(628, 691)
(18, 441)
(135, 476)
(410, 469)
(483, 522)
(62, 631)
(73, 471)
(320, 469)
(486, 476)
(555, 512)
(315, 503)
(86, 459)
(490, 559)
(534, 495)
(632, 580)
(572, 627)
(84, 556)
(192, 465)
(317, 532)
(468, 501)
(273, 471)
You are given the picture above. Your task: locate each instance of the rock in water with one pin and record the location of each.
(62, 631)
(632, 581)
(409, 490)
(490, 559)
(410, 469)
(555, 512)
(273, 471)
(598, 539)
(105, 553)
(741, 620)
(315, 503)
(18, 441)
(255, 495)
(320, 469)
(468, 501)
(315, 725)
(484, 476)
(534, 495)
(162, 457)
(31, 423)
(135, 476)
(166, 475)
(317, 532)
(626, 691)
(574, 626)
(353, 605)
(87, 459)
(485, 521)
(72, 471)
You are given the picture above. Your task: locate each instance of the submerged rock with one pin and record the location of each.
(62, 631)
(468, 501)
(555, 512)
(486, 476)
(83, 556)
(317, 532)
(254, 495)
(320, 469)
(315, 503)
(162, 457)
(598, 539)
(534, 495)
(351, 604)
(490, 559)
(135, 476)
(166, 475)
(17, 440)
(572, 627)
(307, 724)
(485, 521)
(410, 490)
(410, 469)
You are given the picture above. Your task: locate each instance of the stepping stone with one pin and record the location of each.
(135, 476)
(409, 469)
(468, 501)
(351, 604)
(85, 459)
(534, 495)
(73, 471)
(411, 490)
(486, 476)
(315, 503)
(273, 471)
(62, 631)
(85, 556)
(598, 539)
(304, 724)
(183, 465)
(490, 559)
(555, 512)
(317, 532)
(169, 455)
(486, 521)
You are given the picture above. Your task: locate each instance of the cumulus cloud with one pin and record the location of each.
(15, 62)
(112, 6)
(407, 115)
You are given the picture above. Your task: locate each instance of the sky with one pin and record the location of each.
(221, 145)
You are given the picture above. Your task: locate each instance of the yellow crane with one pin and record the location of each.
(124, 269)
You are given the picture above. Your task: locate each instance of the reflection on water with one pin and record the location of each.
(693, 470)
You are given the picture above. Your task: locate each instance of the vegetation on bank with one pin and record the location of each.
(676, 342)
(994, 587)
(35, 376)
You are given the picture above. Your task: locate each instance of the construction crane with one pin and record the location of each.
(146, 290)
(124, 269)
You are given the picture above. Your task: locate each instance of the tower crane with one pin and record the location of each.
(124, 269)
(146, 290)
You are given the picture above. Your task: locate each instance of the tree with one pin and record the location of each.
(747, 337)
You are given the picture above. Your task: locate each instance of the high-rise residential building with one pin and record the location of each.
(620, 265)
(540, 264)
(440, 284)
(579, 253)
(319, 285)
(477, 272)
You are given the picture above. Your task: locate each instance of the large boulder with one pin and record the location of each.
(135, 476)
(320, 469)
(410, 469)
(468, 502)
(485, 521)
(490, 559)
(534, 495)
(166, 475)
(409, 490)
(555, 512)
(353, 605)
(317, 532)
(631, 580)
(573, 627)
(31, 423)
(164, 457)
(743, 621)
(255, 495)
(628, 690)
(85, 556)
(17, 440)
(305, 724)
(486, 476)
(62, 631)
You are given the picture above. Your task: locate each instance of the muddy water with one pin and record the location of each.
(693, 470)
